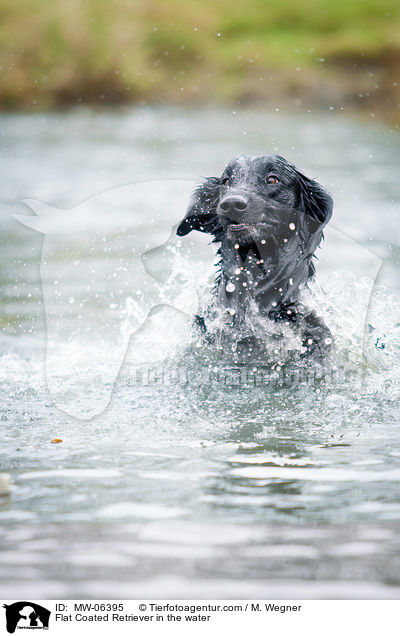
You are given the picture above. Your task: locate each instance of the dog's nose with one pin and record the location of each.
(233, 204)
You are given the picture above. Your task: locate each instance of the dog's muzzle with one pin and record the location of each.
(233, 205)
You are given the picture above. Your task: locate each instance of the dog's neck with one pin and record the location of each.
(266, 277)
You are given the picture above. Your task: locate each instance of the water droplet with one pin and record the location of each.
(292, 226)
(230, 287)
(236, 246)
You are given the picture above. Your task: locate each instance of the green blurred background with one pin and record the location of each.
(337, 53)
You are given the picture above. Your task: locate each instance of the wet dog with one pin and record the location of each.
(268, 220)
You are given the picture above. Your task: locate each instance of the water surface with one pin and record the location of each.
(186, 484)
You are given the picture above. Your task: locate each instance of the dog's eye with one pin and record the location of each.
(272, 179)
(225, 181)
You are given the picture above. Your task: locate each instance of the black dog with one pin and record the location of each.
(268, 219)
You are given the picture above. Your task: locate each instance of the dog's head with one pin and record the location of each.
(260, 198)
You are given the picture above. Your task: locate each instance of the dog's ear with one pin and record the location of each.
(316, 201)
(201, 214)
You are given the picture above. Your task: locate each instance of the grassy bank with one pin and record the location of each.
(314, 52)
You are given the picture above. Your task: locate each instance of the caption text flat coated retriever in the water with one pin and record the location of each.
(268, 219)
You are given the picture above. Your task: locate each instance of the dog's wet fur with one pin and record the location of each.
(268, 219)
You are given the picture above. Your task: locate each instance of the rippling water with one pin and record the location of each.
(176, 477)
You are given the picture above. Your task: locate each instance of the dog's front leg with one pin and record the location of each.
(317, 337)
